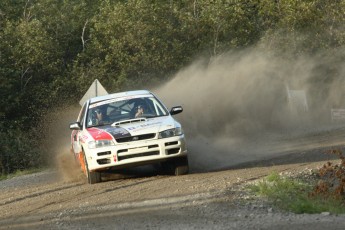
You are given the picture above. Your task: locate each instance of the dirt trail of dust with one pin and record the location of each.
(57, 144)
(236, 105)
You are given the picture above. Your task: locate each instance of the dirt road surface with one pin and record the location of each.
(142, 198)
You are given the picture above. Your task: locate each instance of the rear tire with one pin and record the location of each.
(92, 177)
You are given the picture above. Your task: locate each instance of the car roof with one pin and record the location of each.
(121, 94)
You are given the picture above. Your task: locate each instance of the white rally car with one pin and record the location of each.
(127, 129)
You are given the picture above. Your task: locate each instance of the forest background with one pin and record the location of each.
(52, 50)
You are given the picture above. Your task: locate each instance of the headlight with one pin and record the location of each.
(100, 143)
(170, 133)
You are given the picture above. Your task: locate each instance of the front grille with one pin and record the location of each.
(153, 153)
(103, 161)
(136, 138)
(173, 151)
(103, 153)
(122, 150)
(171, 143)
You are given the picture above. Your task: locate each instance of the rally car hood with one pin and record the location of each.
(135, 128)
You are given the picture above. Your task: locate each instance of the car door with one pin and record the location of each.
(76, 134)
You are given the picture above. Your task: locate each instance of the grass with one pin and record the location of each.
(294, 195)
(20, 173)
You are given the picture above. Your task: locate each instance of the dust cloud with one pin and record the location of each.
(237, 106)
(57, 143)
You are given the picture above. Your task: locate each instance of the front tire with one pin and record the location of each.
(92, 177)
(178, 166)
(181, 166)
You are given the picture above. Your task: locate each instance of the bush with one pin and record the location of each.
(304, 196)
(332, 183)
(18, 151)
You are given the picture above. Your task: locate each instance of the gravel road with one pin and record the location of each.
(144, 199)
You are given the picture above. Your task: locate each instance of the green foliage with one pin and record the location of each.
(293, 195)
(19, 173)
(278, 187)
(135, 42)
(27, 60)
(303, 26)
(18, 151)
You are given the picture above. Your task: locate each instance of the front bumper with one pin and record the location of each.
(135, 153)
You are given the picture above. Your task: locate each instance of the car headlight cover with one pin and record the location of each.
(100, 143)
(171, 132)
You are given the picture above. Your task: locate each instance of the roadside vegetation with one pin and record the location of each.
(51, 51)
(322, 191)
(20, 173)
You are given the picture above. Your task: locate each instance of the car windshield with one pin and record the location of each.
(124, 108)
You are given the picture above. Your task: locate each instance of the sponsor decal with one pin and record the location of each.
(118, 132)
(108, 132)
(143, 126)
(99, 134)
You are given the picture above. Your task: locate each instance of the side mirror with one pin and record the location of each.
(176, 109)
(75, 126)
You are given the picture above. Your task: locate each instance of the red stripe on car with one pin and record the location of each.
(99, 134)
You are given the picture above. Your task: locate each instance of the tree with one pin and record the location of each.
(297, 27)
